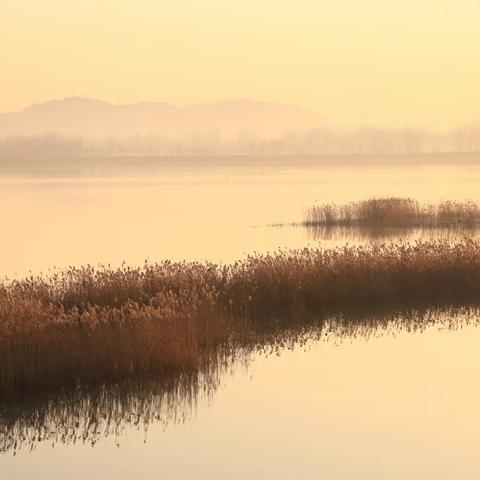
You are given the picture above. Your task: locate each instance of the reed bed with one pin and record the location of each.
(91, 325)
(395, 212)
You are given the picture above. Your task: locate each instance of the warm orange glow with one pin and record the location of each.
(352, 62)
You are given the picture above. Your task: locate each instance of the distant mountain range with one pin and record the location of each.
(83, 126)
(85, 117)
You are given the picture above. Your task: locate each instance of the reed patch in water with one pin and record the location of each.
(395, 212)
(91, 325)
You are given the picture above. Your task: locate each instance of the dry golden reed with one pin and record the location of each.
(395, 212)
(91, 325)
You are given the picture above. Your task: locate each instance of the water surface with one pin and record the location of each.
(394, 403)
(80, 211)
(383, 402)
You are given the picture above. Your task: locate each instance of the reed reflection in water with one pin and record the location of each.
(376, 234)
(89, 414)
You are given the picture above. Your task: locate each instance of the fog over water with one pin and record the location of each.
(86, 127)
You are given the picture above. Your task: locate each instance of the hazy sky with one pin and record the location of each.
(388, 62)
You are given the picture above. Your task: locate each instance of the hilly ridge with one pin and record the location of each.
(81, 116)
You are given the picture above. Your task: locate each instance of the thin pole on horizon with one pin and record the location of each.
(364, 111)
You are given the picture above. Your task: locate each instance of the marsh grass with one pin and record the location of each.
(87, 326)
(395, 212)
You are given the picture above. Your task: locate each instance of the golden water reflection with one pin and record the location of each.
(356, 235)
(89, 414)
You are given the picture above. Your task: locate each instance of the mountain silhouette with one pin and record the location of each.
(87, 117)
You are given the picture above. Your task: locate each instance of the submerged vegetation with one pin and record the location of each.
(394, 212)
(87, 326)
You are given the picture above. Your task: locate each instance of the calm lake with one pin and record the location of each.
(388, 402)
(78, 211)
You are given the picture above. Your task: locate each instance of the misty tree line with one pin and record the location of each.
(318, 141)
